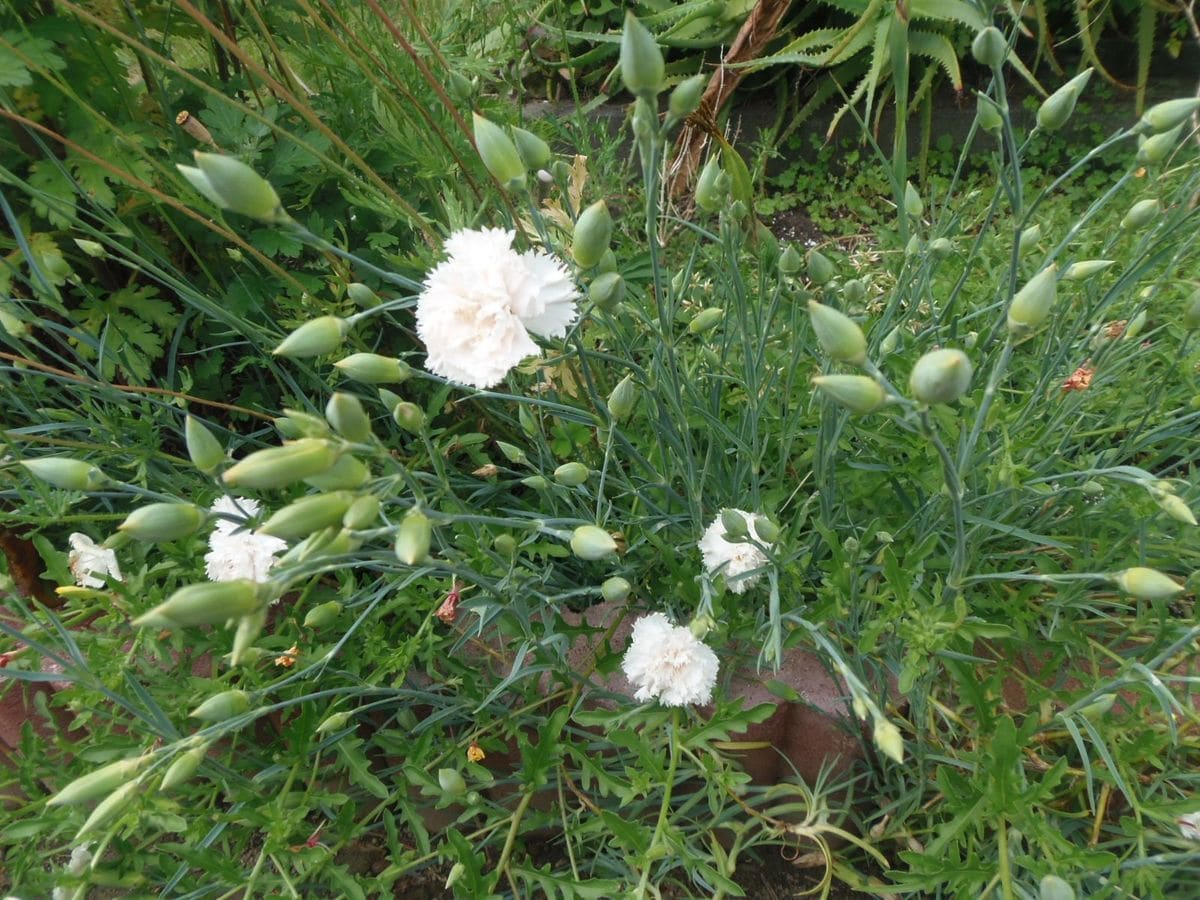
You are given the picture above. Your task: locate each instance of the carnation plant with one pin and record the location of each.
(949, 476)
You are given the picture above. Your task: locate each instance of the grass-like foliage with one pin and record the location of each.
(345, 571)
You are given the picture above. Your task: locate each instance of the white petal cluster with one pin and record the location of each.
(733, 558)
(90, 563)
(234, 553)
(668, 663)
(480, 305)
(1189, 825)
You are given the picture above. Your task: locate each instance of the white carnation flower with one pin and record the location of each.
(90, 563)
(234, 553)
(668, 663)
(1189, 825)
(733, 559)
(480, 304)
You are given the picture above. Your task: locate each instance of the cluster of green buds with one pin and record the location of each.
(500, 155)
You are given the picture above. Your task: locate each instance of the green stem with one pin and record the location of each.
(513, 828)
(989, 394)
(1006, 886)
(665, 808)
(958, 560)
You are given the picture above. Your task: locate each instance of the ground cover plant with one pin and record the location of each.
(498, 577)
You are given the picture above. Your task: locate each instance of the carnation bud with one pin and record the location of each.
(838, 334)
(622, 399)
(1099, 707)
(615, 589)
(940, 248)
(308, 514)
(1140, 215)
(940, 376)
(371, 368)
(323, 614)
(240, 188)
(642, 67)
(91, 248)
(66, 474)
(160, 522)
(362, 295)
(1134, 326)
(710, 190)
(766, 529)
(1085, 268)
(1170, 113)
(536, 482)
(413, 538)
(512, 453)
(706, 320)
(409, 416)
(278, 467)
(891, 341)
(988, 114)
(887, 738)
(1031, 305)
(607, 290)
(295, 423)
(362, 513)
(913, 204)
(854, 291)
(183, 767)
(451, 783)
(790, 260)
(205, 451)
(857, 393)
(1158, 147)
(593, 232)
(335, 722)
(685, 99)
(820, 268)
(534, 152)
(913, 247)
(1057, 108)
(735, 524)
(1091, 489)
(199, 181)
(204, 604)
(1147, 584)
(1029, 239)
(1174, 507)
(504, 544)
(315, 338)
(1191, 315)
(571, 474)
(222, 706)
(249, 627)
(608, 263)
(460, 87)
(347, 473)
(499, 154)
(989, 47)
(346, 414)
(98, 783)
(109, 808)
(591, 542)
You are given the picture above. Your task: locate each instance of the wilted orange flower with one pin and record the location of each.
(288, 658)
(448, 611)
(1114, 330)
(475, 753)
(1080, 378)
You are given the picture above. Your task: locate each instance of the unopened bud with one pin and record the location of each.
(710, 195)
(452, 783)
(199, 181)
(913, 204)
(536, 482)
(222, 706)
(91, 248)
(887, 738)
(1158, 147)
(534, 152)
(940, 376)
(591, 542)
(323, 614)
(183, 767)
(209, 603)
(504, 544)
(278, 467)
(1174, 507)
(1134, 326)
(1031, 305)
(347, 473)
(335, 722)
(512, 453)
(460, 87)
(790, 260)
(857, 393)
(940, 248)
(66, 474)
(607, 290)
(1147, 584)
(1058, 107)
(1170, 113)
(308, 514)
(499, 154)
(989, 47)
(571, 474)
(1086, 268)
(642, 67)
(608, 263)
(346, 414)
(615, 589)
(820, 267)
(735, 524)
(98, 783)
(109, 808)
(766, 529)
(891, 341)
(315, 338)
(362, 295)
(160, 522)
(593, 232)
(362, 513)
(371, 368)
(622, 399)
(685, 99)
(1029, 239)
(240, 188)
(1140, 215)
(705, 320)
(838, 334)
(295, 423)
(409, 416)
(988, 114)
(854, 291)
(203, 448)
(413, 538)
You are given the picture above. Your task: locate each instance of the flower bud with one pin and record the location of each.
(891, 341)
(913, 204)
(346, 414)
(249, 627)
(222, 706)
(536, 482)
(362, 513)
(1098, 708)
(278, 467)
(607, 290)
(1147, 584)
(203, 604)
(571, 474)
(735, 524)
(1158, 147)
(940, 376)
(1085, 268)
(413, 538)
(1191, 315)
(534, 152)
(1031, 304)
(591, 542)
(109, 808)
(323, 614)
(706, 320)
(204, 450)
(1029, 239)
(913, 247)
(1140, 215)
(314, 338)
(409, 416)
(887, 738)
(608, 263)
(642, 67)
(820, 268)
(504, 544)
(1174, 507)
(239, 188)
(362, 295)
(615, 589)
(838, 334)
(98, 783)
(790, 260)
(857, 393)
(371, 368)
(451, 783)
(460, 88)
(183, 767)
(335, 722)
(66, 474)
(1092, 489)
(989, 47)
(1134, 327)
(513, 453)
(1057, 108)
(346, 474)
(622, 400)
(766, 529)
(988, 114)
(308, 514)
(685, 99)
(940, 248)
(710, 194)
(160, 522)
(295, 423)
(1170, 113)
(91, 248)
(499, 154)
(593, 232)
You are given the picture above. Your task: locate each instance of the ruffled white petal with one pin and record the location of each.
(235, 553)
(668, 663)
(91, 563)
(733, 559)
